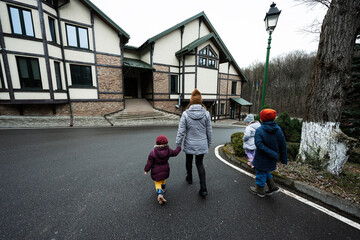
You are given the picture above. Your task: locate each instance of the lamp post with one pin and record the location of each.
(271, 19)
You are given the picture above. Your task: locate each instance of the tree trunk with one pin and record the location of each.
(322, 139)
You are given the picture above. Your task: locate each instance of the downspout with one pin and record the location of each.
(65, 71)
(152, 75)
(183, 78)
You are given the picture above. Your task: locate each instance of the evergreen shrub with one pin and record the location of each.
(237, 143)
(290, 127)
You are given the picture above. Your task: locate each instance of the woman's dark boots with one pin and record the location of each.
(189, 178)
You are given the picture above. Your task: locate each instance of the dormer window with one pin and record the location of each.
(207, 57)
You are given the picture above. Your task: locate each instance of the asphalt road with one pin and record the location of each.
(90, 184)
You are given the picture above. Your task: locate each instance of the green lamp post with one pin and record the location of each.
(271, 19)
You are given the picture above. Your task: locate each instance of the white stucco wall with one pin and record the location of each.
(191, 32)
(131, 54)
(31, 95)
(54, 51)
(106, 38)
(4, 96)
(59, 96)
(189, 84)
(76, 11)
(49, 9)
(78, 93)
(166, 47)
(207, 80)
(204, 30)
(20, 45)
(223, 68)
(232, 70)
(145, 56)
(73, 55)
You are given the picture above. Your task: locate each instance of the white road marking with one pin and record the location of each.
(290, 194)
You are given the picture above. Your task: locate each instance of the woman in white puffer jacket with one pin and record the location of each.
(249, 137)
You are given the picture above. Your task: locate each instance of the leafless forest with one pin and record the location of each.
(287, 83)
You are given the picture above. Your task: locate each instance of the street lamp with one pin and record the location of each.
(271, 20)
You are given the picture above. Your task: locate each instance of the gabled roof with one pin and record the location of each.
(191, 46)
(134, 63)
(215, 37)
(107, 20)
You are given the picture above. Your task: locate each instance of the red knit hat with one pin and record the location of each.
(267, 115)
(161, 140)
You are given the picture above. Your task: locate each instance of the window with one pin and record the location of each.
(207, 57)
(203, 51)
(211, 53)
(174, 84)
(81, 75)
(58, 76)
(202, 61)
(211, 63)
(52, 29)
(21, 21)
(77, 36)
(222, 109)
(233, 88)
(29, 73)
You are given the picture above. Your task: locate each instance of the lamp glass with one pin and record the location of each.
(270, 22)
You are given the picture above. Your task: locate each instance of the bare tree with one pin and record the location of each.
(322, 138)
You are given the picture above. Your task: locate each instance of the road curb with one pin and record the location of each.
(332, 200)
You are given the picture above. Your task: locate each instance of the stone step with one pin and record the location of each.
(138, 116)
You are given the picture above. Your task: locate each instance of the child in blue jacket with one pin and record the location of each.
(270, 147)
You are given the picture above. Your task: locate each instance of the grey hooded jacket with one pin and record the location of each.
(195, 129)
(249, 136)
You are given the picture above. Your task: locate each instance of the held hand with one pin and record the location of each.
(145, 173)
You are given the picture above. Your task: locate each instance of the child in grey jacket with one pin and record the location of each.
(249, 138)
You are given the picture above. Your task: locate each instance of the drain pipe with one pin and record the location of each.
(179, 104)
(107, 114)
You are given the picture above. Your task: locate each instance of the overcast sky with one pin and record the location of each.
(239, 23)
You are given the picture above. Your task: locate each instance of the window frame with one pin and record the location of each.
(174, 84)
(2, 86)
(222, 108)
(78, 41)
(208, 57)
(22, 21)
(52, 29)
(202, 61)
(233, 89)
(57, 70)
(30, 73)
(73, 77)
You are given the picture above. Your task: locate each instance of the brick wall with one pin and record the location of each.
(95, 108)
(168, 106)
